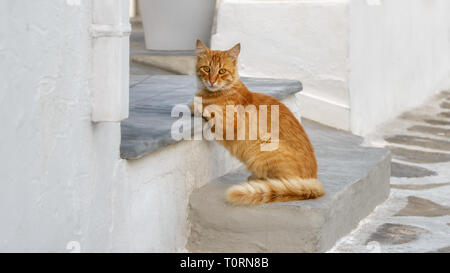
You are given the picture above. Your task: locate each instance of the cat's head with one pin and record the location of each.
(217, 70)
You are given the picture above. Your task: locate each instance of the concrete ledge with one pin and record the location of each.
(356, 179)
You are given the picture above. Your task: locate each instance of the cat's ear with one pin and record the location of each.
(201, 47)
(234, 51)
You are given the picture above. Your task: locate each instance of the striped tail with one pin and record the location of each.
(274, 190)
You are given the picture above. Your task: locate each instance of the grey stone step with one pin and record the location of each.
(356, 180)
(148, 127)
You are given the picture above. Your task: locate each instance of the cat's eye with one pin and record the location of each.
(206, 68)
(222, 70)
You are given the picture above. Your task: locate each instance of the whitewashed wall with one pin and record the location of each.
(58, 170)
(362, 62)
(302, 40)
(399, 57)
(62, 178)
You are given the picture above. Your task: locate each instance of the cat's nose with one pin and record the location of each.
(211, 82)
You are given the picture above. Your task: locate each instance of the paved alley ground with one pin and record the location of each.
(416, 216)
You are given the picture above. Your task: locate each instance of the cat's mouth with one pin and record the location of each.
(213, 88)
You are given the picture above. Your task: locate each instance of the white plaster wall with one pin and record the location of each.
(399, 57)
(160, 186)
(296, 39)
(58, 170)
(362, 62)
(62, 179)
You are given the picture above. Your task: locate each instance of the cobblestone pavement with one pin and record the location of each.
(416, 216)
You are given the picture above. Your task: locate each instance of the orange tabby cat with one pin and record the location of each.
(285, 174)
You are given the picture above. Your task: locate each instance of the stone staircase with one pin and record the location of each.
(356, 178)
